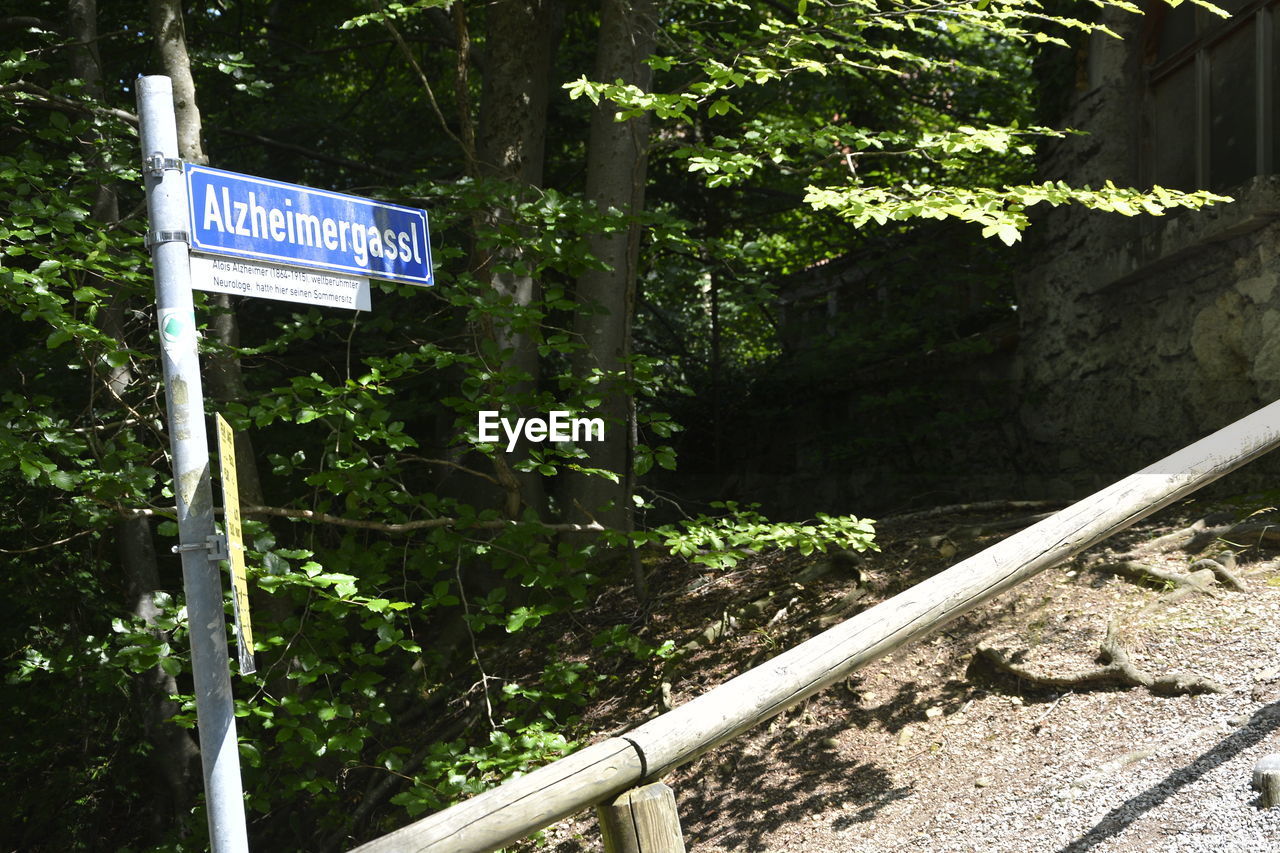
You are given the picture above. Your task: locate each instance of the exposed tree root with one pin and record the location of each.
(1199, 575)
(1119, 669)
(956, 509)
(987, 528)
(1145, 572)
(1171, 541)
(1248, 532)
(1203, 533)
(1223, 567)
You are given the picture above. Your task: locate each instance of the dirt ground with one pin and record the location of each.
(937, 748)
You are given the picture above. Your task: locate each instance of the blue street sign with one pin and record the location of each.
(248, 217)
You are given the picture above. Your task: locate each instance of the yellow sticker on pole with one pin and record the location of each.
(235, 544)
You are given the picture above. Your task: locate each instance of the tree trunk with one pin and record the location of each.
(510, 146)
(171, 43)
(173, 754)
(224, 378)
(175, 757)
(616, 161)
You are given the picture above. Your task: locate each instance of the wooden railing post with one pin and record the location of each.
(642, 820)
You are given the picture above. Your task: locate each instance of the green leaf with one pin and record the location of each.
(171, 666)
(64, 480)
(1009, 234)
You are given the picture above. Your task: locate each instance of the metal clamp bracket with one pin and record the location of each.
(154, 238)
(216, 545)
(157, 164)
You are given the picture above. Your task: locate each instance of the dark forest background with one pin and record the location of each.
(772, 244)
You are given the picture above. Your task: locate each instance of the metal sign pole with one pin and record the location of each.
(199, 544)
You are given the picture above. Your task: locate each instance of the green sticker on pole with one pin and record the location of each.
(235, 544)
(176, 325)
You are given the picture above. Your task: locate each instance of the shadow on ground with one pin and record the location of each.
(1264, 721)
(776, 781)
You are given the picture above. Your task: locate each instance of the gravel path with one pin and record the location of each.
(1104, 770)
(928, 751)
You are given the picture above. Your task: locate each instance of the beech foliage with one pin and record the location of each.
(404, 572)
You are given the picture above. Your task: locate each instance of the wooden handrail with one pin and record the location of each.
(526, 804)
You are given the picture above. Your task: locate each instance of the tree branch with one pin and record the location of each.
(49, 99)
(449, 464)
(469, 153)
(49, 544)
(309, 152)
(410, 526)
(26, 22)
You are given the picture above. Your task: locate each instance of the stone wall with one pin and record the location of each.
(1135, 336)
(1139, 335)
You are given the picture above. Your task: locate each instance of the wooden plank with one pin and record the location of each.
(642, 820)
(531, 802)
